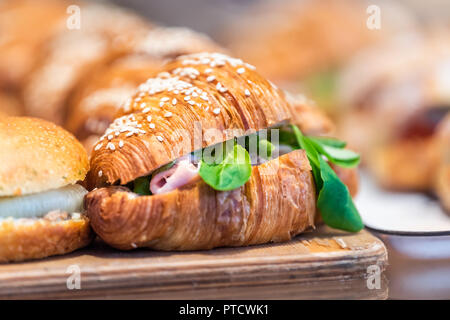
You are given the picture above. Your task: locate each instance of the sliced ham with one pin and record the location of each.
(181, 173)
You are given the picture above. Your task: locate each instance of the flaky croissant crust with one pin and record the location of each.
(277, 203)
(156, 126)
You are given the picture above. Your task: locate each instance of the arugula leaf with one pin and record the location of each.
(233, 172)
(331, 142)
(312, 155)
(142, 186)
(335, 202)
(342, 157)
(265, 148)
(286, 137)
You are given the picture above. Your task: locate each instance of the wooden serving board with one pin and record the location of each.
(324, 263)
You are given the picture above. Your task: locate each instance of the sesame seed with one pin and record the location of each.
(100, 173)
(111, 146)
(240, 70)
(191, 102)
(218, 85)
(161, 104)
(146, 110)
(223, 89)
(129, 134)
(164, 99)
(120, 144)
(174, 101)
(110, 136)
(152, 125)
(216, 110)
(210, 78)
(97, 147)
(247, 92)
(160, 139)
(168, 114)
(209, 70)
(149, 118)
(187, 98)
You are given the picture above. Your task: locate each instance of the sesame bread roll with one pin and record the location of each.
(41, 206)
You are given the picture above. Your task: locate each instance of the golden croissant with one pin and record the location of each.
(158, 126)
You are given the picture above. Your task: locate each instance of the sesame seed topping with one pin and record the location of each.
(146, 110)
(187, 98)
(110, 136)
(240, 70)
(152, 126)
(149, 118)
(100, 173)
(98, 146)
(164, 99)
(216, 110)
(247, 92)
(210, 78)
(168, 114)
(161, 104)
(191, 102)
(174, 101)
(160, 139)
(143, 104)
(209, 70)
(111, 146)
(120, 144)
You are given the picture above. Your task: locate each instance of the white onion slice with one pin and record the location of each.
(68, 199)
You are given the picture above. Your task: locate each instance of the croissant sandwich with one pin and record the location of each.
(207, 154)
(40, 202)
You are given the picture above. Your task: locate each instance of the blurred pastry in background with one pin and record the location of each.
(393, 98)
(302, 45)
(106, 32)
(10, 104)
(25, 26)
(443, 175)
(98, 97)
